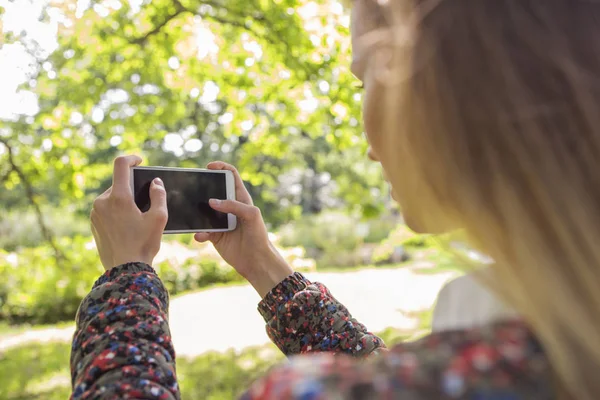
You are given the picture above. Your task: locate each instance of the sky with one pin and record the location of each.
(15, 68)
(15, 63)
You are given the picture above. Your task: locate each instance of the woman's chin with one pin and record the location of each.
(413, 224)
(419, 227)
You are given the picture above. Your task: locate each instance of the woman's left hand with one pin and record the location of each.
(122, 232)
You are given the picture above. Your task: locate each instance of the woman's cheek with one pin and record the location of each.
(372, 116)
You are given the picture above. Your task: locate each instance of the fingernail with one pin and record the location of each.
(214, 202)
(158, 182)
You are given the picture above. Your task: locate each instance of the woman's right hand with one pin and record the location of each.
(247, 248)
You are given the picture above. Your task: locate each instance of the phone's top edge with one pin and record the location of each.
(183, 169)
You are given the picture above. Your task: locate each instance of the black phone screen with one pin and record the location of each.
(188, 193)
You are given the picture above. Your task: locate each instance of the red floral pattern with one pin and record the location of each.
(122, 349)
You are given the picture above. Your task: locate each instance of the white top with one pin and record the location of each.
(464, 303)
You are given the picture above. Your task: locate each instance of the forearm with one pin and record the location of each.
(122, 345)
(303, 317)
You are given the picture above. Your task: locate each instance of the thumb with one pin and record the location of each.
(241, 210)
(203, 237)
(158, 199)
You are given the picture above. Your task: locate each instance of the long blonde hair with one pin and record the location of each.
(497, 109)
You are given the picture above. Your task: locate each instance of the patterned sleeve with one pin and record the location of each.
(122, 344)
(503, 361)
(304, 317)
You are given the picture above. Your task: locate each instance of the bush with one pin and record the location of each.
(398, 243)
(35, 288)
(21, 229)
(380, 228)
(325, 231)
(194, 274)
(337, 239)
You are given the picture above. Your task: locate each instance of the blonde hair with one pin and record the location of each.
(497, 109)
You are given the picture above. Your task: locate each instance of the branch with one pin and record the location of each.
(180, 9)
(29, 192)
(273, 40)
(144, 38)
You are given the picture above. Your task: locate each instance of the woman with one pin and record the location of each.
(483, 114)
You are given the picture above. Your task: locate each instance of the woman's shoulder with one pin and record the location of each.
(497, 361)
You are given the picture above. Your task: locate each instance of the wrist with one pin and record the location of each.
(129, 260)
(270, 269)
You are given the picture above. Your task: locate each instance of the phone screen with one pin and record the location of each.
(188, 193)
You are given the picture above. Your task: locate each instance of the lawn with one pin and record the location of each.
(41, 371)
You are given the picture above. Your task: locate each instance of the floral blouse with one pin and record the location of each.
(122, 349)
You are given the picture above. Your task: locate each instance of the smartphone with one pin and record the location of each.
(188, 192)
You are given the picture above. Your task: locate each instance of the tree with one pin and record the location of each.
(263, 84)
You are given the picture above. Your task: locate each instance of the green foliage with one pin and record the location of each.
(336, 230)
(381, 227)
(195, 274)
(325, 231)
(35, 287)
(336, 239)
(21, 228)
(265, 85)
(336, 260)
(401, 237)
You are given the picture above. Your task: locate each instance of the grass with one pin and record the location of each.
(35, 371)
(41, 371)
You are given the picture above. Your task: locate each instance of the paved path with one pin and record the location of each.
(223, 318)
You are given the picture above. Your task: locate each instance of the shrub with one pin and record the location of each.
(194, 274)
(21, 228)
(345, 259)
(396, 243)
(337, 239)
(380, 228)
(35, 288)
(325, 231)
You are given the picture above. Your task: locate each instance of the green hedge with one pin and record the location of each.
(20, 229)
(195, 274)
(335, 239)
(35, 288)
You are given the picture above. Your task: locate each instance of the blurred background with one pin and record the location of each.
(261, 84)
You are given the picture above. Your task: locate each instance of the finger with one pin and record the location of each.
(245, 212)
(214, 237)
(158, 202)
(202, 237)
(241, 193)
(121, 174)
